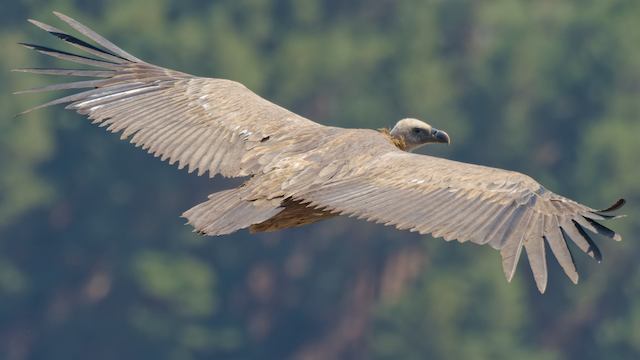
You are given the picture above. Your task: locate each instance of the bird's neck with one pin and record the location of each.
(397, 141)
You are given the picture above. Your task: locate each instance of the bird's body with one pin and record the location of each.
(302, 172)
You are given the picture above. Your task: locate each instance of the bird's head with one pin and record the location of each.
(416, 133)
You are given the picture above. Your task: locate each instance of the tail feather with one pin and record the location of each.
(225, 212)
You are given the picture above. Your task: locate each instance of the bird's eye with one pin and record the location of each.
(416, 130)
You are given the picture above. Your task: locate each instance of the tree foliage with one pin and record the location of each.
(96, 264)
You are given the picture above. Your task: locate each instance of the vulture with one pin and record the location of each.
(302, 172)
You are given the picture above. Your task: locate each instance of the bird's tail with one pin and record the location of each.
(226, 212)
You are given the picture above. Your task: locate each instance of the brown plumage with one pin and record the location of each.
(303, 172)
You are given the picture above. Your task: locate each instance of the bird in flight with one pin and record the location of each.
(303, 172)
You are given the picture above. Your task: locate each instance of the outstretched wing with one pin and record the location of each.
(213, 125)
(454, 200)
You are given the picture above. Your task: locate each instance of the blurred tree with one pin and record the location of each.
(94, 262)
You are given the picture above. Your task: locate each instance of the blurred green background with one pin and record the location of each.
(96, 264)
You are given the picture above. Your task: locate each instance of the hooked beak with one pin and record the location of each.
(440, 136)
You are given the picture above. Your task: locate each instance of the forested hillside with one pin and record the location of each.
(95, 262)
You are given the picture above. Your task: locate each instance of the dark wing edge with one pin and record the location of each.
(618, 204)
(213, 125)
(453, 200)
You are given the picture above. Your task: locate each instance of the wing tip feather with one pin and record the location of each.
(97, 38)
(593, 248)
(542, 285)
(575, 278)
(617, 205)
